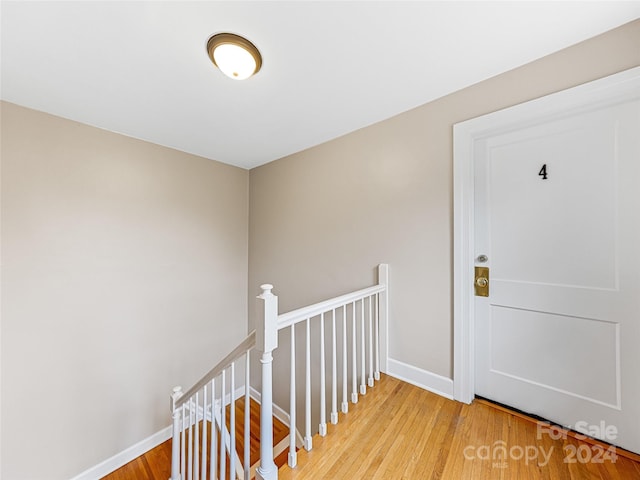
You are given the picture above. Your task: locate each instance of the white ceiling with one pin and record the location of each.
(330, 67)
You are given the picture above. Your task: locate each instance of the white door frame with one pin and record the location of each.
(609, 90)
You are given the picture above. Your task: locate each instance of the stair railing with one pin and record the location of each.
(192, 458)
(367, 310)
(361, 318)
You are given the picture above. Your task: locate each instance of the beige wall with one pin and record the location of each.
(118, 258)
(320, 220)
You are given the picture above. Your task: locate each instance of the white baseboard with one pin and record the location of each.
(433, 382)
(278, 412)
(124, 457)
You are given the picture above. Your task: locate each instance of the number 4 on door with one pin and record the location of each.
(543, 172)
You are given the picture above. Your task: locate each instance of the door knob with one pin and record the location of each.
(481, 282)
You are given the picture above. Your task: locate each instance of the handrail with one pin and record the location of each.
(247, 344)
(300, 314)
(265, 340)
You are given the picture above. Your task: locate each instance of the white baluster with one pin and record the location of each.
(266, 342)
(232, 423)
(322, 429)
(214, 434)
(183, 457)
(247, 418)
(376, 342)
(354, 373)
(308, 443)
(370, 379)
(190, 459)
(223, 426)
(196, 441)
(175, 442)
(203, 470)
(293, 455)
(334, 371)
(363, 387)
(345, 403)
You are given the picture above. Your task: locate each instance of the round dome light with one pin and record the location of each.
(234, 55)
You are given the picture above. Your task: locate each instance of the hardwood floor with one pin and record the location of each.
(398, 431)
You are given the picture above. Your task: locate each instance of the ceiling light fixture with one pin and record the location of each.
(234, 55)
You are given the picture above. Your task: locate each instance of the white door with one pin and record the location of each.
(557, 215)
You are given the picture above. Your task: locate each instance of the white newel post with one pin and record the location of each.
(175, 442)
(383, 316)
(266, 342)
